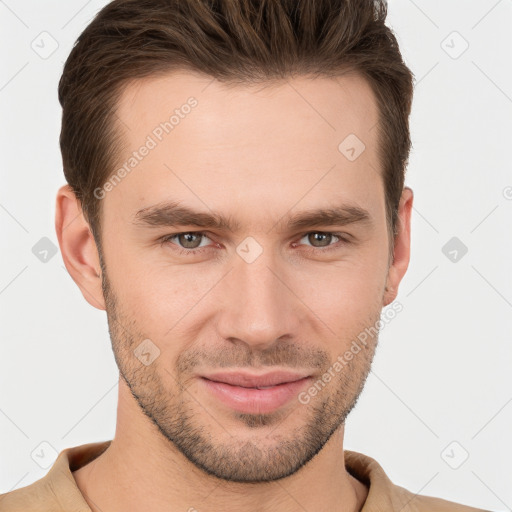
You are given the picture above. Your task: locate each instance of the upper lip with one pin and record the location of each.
(250, 380)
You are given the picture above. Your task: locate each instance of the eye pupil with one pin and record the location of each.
(188, 243)
(325, 239)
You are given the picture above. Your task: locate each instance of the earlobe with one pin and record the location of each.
(78, 247)
(402, 247)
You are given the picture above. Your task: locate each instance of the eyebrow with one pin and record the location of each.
(172, 214)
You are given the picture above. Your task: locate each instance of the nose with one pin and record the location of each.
(258, 303)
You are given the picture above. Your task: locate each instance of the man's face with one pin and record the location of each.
(267, 295)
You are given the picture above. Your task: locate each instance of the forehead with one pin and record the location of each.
(328, 108)
(285, 142)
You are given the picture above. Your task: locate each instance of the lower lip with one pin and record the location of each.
(252, 400)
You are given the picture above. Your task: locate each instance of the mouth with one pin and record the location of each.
(256, 394)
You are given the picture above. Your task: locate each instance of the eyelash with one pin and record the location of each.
(193, 252)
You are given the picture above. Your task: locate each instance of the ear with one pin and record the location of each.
(78, 247)
(402, 247)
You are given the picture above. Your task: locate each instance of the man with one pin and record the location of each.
(236, 204)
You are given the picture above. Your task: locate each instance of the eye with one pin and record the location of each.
(320, 238)
(188, 242)
(321, 241)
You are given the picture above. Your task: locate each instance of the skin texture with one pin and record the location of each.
(257, 155)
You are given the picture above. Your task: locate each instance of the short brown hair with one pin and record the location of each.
(236, 41)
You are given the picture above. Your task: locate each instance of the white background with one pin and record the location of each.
(442, 372)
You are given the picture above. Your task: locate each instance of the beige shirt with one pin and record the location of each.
(57, 490)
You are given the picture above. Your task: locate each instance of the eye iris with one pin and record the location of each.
(188, 243)
(325, 239)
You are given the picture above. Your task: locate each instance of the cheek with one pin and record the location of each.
(163, 299)
(343, 304)
(348, 289)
